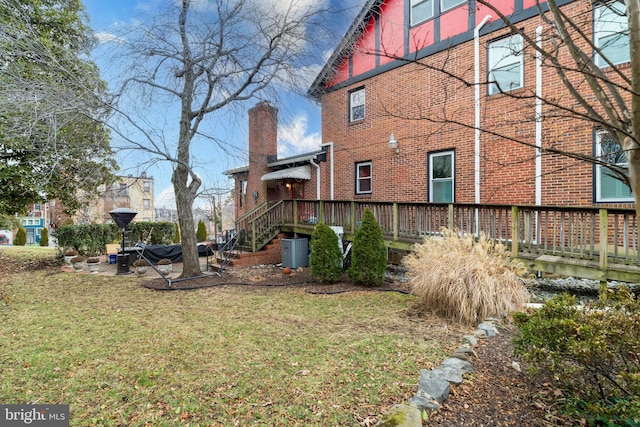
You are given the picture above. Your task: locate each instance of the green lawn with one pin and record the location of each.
(120, 354)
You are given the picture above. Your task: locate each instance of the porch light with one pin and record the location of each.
(393, 144)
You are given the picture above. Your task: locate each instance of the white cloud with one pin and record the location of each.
(293, 138)
(166, 199)
(105, 37)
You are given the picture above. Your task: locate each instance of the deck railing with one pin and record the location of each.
(585, 233)
(589, 237)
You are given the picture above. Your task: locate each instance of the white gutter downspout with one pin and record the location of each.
(539, 116)
(476, 53)
(330, 144)
(317, 178)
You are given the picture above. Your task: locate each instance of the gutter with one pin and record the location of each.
(476, 64)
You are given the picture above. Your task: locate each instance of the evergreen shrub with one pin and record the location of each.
(44, 237)
(176, 233)
(201, 232)
(591, 354)
(325, 260)
(21, 237)
(368, 253)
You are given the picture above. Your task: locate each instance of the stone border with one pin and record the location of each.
(434, 385)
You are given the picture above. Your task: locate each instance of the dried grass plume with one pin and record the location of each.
(465, 279)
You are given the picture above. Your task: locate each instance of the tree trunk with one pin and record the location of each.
(185, 196)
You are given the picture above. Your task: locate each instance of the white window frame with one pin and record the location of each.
(357, 98)
(614, 23)
(450, 153)
(452, 4)
(419, 4)
(599, 169)
(498, 59)
(359, 178)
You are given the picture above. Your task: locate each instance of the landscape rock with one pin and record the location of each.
(489, 328)
(456, 363)
(401, 416)
(433, 387)
(424, 404)
(470, 339)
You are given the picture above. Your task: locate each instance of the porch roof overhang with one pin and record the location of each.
(300, 172)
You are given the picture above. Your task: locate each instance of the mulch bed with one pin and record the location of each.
(271, 276)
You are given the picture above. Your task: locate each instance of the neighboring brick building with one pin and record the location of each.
(391, 80)
(133, 192)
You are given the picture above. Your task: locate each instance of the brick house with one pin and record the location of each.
(402, 128)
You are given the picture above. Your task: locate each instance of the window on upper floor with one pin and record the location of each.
(441, 177)
(421, 10)
(608, 187)
(450, 4)
(243, 192)
(146, 186)
(506, 64)
(356, 104)
(364, 178)
(611, 34)
(146, 204)
(124, 190)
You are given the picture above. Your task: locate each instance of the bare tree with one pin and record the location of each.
(598, 91)
(203, 58)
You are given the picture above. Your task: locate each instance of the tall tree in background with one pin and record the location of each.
(199, 59)
(52, 105)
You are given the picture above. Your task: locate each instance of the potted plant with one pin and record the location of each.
(141, 266)
(68, 255)
(92, 264)
(165, 266)
(78, 263)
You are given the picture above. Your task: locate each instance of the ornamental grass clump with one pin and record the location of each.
(465, 279)
(325, 260)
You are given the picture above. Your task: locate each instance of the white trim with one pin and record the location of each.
(352, 104)
(358, 165)
(412, 4)
(598, 172)
(458, 3)
(511, 59)
(453, 174)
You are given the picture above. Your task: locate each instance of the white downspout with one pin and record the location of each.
(317, 178)
(330, 144)
(476, 63)
(539, 117)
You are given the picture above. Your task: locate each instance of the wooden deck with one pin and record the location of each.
(587, 242)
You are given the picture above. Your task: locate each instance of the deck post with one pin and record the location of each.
(450, 222)
(353, 218)
(604, 237)
(515, 230)
(321, 212)
(295, 213)
(396, 221)
(253, 236)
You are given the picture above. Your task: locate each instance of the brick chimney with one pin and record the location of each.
(263, 142)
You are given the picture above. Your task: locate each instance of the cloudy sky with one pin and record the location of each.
(299, 118)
